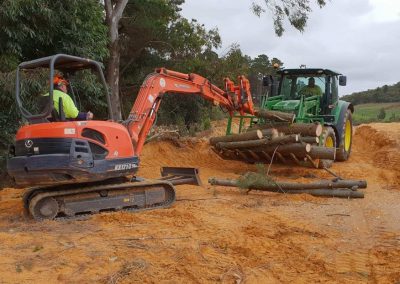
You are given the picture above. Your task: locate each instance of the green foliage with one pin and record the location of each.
(385, 94)
(252, 180)
(30, 29)
(296, 11)
(35, 28)
(382, 114)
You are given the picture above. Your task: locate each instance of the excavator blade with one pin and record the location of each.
(178, 175)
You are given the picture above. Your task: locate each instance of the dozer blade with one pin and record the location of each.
(178, 175)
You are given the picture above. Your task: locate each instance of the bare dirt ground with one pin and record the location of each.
(217, 234)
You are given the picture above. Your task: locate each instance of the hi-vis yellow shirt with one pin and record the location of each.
(69, 107)
(311, 91)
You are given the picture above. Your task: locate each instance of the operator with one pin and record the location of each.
(69, 108)
(311, 89)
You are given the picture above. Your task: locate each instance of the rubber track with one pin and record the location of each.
(54, 191)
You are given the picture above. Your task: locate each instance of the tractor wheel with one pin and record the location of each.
(344, 149)
(328, 139)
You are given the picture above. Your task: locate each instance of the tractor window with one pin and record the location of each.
(287, 85)
(294, 86)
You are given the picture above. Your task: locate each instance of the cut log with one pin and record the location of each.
(251, 135)
(323, 184)
(270, 133)
(276, 115)
(319, 152)
(337, 192)
(242, 144)
(305, 129)
(298, 149)
(286, 139)
(309, 139)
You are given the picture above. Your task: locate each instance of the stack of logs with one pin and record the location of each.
(285, 142)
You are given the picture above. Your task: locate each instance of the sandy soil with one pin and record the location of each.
(217, 234)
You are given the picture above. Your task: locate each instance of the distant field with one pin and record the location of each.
(369, 112)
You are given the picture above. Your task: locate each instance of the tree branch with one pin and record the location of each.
(119, 9)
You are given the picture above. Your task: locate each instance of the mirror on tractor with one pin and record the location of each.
(342, 80)
(267, 81)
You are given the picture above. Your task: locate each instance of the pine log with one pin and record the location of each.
(276, 115)
(305, 129)
(337, 192)
(319, 152)
(286, 139)
(251, 135)
(258, 143)
(242, 144)
(298, 149)
(309, 139)
(323, 184)
(271, 133)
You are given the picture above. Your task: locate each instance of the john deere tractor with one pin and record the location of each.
(312, 95)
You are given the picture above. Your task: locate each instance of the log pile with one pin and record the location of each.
(288, 142)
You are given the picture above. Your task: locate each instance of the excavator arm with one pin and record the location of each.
(163, 81)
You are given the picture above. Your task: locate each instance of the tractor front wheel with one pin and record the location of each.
(344, 149)
(328, 139)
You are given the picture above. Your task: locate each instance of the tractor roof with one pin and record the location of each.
(308, 71)
(61, 62)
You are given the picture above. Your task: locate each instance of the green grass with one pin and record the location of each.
(369, 112)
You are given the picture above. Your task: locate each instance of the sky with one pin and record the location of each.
(358, 38)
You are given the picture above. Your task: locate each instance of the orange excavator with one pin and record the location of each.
(81, 167)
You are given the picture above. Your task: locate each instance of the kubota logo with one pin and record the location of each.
(28, 143)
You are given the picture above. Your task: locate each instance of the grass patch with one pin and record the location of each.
(366, 113)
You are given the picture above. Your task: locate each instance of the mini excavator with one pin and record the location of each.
(78, 167)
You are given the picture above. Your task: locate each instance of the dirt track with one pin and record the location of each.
(216, 234)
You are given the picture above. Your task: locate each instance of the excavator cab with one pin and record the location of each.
(51, 149)
(40, 109)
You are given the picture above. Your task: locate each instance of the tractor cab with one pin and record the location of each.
(34, 79)
(311, 94)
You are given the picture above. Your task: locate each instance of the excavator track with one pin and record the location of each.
(68, 201)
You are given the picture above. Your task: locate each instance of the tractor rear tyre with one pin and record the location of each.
(344, 149)
(328, 139)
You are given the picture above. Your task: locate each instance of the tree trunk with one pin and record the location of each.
(242, 144)
(112, 73)
(251, 135)
(318, 152)
(272, 132)
(327, 184)
(305, 129)
(298, 149)
(323, 188)
(309, 139)
(113, 15)
(276, 115)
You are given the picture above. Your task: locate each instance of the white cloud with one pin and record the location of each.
(385, 10)
(359, 38)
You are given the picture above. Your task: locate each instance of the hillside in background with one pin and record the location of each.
(380, 104)
(384, 112)
(384, 94)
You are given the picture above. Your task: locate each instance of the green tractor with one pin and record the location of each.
(312, 95)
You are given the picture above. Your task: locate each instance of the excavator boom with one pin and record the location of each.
(163, 82)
